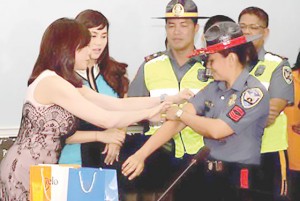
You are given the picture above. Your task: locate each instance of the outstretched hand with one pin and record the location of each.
(155, 112)
(112, 136)
(182, 96)
(112, 152)
(133, 166)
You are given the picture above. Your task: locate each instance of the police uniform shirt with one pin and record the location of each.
(138, 87)
(245, 108)
(280, 86)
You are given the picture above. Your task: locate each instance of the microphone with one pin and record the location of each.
(201, 155)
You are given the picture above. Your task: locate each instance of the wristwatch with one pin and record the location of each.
(179, 113)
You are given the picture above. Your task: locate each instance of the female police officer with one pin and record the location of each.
(230, 113)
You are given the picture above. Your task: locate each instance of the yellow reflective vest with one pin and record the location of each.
(275, 136)
(161, 79)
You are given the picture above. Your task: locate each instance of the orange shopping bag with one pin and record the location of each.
(40, 188)
(49, 182)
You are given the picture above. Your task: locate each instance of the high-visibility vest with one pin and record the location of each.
(275, 136)
(161, 79)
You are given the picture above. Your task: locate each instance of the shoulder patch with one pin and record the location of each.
(153, 56)
(251, 97)
(287, 74)
(236, 113)
(274, 57)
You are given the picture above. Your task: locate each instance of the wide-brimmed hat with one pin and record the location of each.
(181, 9)
(223, 35)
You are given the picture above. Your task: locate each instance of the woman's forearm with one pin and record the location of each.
(120, 104)
(133, 103)
(82, 137)
(109, 136)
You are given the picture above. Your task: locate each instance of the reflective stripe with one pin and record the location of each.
(195, 91)
(283, 164)
(266, 84)
(169, 91)
(158, 92)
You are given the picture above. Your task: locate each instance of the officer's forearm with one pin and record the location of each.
(276, 107)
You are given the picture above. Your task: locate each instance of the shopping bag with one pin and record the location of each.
(92, 184)
(111, 185)
(49, 182)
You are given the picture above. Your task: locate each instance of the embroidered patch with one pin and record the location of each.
(236, 113)
(287, 74)
(232, 99)
(251, 97)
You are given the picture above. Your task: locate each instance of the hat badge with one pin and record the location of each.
(178, 10)
(225, 39)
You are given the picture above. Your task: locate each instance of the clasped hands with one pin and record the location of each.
(134, 165)
(170, 106)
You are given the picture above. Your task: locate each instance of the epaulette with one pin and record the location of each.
(153, 56)
(276, 55)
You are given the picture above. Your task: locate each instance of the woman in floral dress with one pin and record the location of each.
(53, 102)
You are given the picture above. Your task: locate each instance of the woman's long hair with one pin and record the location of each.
(113, 72)
(57, 50)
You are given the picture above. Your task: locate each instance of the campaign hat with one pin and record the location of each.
(181, 9)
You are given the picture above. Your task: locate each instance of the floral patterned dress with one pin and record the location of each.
(38, 142)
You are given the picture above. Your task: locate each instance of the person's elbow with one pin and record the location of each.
(108, 123)
(215, 134)
(220, 131)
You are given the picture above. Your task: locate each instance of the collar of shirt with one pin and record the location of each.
(84, 73)
(239, 83)
(261, 54)
(191, 61)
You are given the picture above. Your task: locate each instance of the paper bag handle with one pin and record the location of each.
(92, 185)
(44, 186)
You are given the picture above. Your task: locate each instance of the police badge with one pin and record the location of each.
(251, 97)
(232, 99)
(178, 10)
(287, 74)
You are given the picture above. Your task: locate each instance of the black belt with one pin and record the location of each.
(241, 175)
(219, 166)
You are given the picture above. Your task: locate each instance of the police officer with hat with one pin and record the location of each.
(168, 72)
(230, 113)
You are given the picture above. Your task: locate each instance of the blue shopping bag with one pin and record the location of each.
(92, 184)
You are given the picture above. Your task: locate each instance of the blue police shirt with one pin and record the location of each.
(245, 108)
